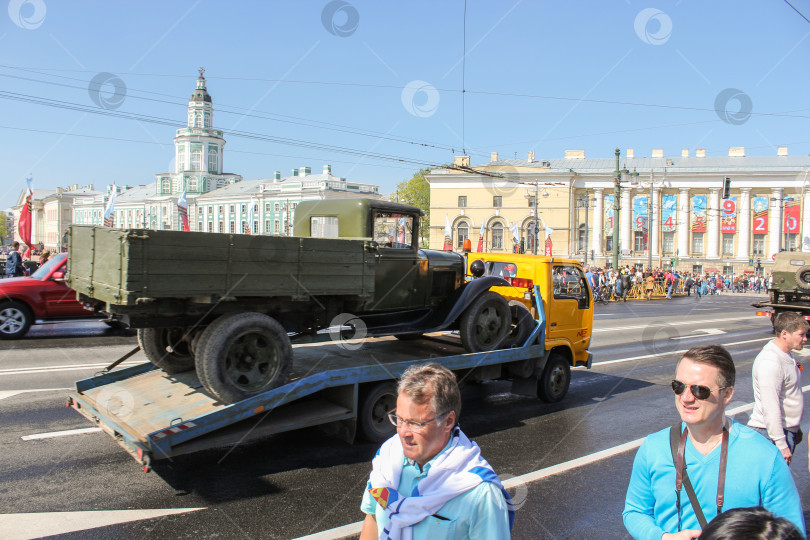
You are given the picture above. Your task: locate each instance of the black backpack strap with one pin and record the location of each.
(674, 444)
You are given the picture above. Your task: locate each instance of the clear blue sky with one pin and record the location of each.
(543, 76)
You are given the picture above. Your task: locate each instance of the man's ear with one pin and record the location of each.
(729, 393)
(449, 421)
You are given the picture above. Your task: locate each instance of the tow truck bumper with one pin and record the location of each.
(590, 360)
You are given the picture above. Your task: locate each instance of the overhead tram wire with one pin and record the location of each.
(238, 111)
(236, 133)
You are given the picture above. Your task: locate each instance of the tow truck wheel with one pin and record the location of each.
(243, 354)
(553, 383)
(167, 348)
(15, 319)
(485, 323)
(374, 408)
(522, 325)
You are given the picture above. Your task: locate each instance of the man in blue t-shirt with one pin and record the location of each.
(590, 277)
(755, 472)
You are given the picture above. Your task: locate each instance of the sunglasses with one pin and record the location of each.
(699, 391)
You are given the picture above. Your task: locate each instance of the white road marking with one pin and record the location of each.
(52, 434)
(11, 393)
(54, 369)
(620, 360)
(37, 525)
(355, 528)
(674, 323)
(704, 332)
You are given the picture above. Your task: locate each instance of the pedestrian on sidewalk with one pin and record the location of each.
(727, 464)
(777, 379)
(649, 285)
(14, 265)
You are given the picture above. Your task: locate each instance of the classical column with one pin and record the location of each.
(683, 223)
(713, 230)
(654, 222)
(775, 221)
(625, 238)
(744, 224)
(806, 222)
(598, 216)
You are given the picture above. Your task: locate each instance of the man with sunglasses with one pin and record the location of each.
(687, 475)
(429, 482)
(778, 400)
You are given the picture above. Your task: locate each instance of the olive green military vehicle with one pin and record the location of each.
(228, 304)
(790, 290)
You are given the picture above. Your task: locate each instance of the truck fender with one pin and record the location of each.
(467, 294)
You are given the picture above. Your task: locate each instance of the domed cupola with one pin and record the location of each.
(200, 93)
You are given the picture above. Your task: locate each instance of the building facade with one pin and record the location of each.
(672, 211)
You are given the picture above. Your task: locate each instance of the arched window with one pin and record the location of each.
(532, 235)
(462, 233)
(196, 159)
(497, 235)
(197, 120)
(207, 120)
(212, 160)
(166, 186)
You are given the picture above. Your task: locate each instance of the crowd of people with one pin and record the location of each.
(647, 280)
(16, 267)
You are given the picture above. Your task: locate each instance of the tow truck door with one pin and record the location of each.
(572, 300)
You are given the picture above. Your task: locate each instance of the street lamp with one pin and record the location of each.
(636, 181)
(536, 224)
(617, 206)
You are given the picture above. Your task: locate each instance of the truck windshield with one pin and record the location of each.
(393, 230)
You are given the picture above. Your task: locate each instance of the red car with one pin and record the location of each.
(43, 295)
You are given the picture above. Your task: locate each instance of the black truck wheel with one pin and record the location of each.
(375, 405)
(167, 348)
(244, 354)
(553, 383)
(485, 323)
(803, 277)
(521, 327)
(15, 319)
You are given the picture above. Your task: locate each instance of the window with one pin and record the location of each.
(462, 201)
(211, 226)
(582, 238)
(609, 243)
(697, 243)
(212, 160)
(669, 242)
(728, 244)
(532, 200)
(462, 232)
(501, 269)
(393, 230)
(196, 158)
(255, 227)
(221, 227)
(207, 120)
(497, 201)
(639, 241)
(232, 228)
(244, 209)
(759, 244)
(267, 207)
(569, 283)
(220, 209)
(181, 159)
(230, 209)
(199, 225)
(276, 227)
(192, 184)
(166, 186)
(276, 207)
(267, 226)
(497, 235)
(197, 119)
(323, 226)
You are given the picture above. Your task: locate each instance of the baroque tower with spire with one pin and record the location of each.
(198, 151)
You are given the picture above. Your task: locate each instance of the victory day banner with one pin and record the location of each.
(699, 213)
(728, 216)
(791, 221)
(640, 213)
(760, 205)
(609, 215)
(669, 213)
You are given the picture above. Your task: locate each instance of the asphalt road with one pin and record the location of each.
(302, 483)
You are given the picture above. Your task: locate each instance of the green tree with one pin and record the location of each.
(416, 192)
(4, 232)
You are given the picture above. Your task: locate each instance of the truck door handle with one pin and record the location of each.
(553, 324)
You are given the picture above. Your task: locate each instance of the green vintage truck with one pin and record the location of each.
(228, 304)
(790, 288)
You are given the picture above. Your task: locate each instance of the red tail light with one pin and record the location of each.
(521, 283)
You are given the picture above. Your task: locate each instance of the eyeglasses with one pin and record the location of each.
(699, 391)
(413, 425)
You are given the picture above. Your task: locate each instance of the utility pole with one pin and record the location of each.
(617, 207)
(584, 201)
(536, 219)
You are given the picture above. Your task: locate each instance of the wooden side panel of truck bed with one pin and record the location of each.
(121, 266)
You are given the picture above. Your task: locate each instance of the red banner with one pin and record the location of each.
(549, 246)
(791, 222)
(24, 226)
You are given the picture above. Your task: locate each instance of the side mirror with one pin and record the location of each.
(58, 276)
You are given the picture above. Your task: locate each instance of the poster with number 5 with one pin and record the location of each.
(699, 213)
(760, 206)
(728, 217)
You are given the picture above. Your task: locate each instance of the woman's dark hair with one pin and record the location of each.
(750, 524)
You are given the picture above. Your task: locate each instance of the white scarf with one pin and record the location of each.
(454, 471)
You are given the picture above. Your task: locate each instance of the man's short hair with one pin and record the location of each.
(434, 384)
(751, 523)
(790, 321)
(15, 245)
(713, 355)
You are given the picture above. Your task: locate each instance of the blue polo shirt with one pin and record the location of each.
(480, 513)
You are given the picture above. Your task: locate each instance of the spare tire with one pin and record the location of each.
(485, 323)
(244, 354)
(167, 348)
(803, 277)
